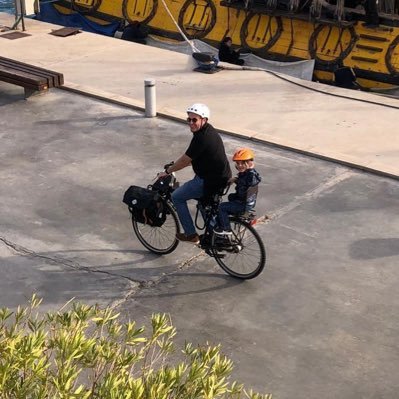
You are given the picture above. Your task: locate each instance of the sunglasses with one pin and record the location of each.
(192, 120)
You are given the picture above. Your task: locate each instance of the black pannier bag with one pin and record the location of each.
(145, 205)
(162, 185)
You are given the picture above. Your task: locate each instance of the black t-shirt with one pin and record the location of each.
(209, 159)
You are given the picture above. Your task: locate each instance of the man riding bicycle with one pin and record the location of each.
(208, 158)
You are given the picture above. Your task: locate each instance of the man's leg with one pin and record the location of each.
(189, 190)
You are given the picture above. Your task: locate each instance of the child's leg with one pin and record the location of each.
(226, 209)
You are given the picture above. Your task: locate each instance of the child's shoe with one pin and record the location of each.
(220, 232)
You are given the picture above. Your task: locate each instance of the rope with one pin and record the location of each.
(335, 94)
(272, 4)
(294, 5)
(315, 8)
(193, 48)
(340, 9)
(280, 76)
(318, 4)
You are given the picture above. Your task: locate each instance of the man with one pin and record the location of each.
(135, 32)
(345, 77)
(208, 158)
(227, 54)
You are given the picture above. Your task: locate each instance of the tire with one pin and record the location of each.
(245, 258)
(159, 240)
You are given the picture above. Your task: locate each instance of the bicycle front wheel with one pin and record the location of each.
(159, 240)
(245, 256)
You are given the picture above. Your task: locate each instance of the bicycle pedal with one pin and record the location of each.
(208, 252)
(219, 256)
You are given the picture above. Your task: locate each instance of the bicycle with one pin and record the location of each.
(241, 255)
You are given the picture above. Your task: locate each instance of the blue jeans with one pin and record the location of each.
(190, 190)
(226, 209)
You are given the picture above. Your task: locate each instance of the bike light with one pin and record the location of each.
(253, 222)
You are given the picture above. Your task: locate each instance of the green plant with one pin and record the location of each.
(86, 352)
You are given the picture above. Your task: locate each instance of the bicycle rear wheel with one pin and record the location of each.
(245, 256)
(159, 240)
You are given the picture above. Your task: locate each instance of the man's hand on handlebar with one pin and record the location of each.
(162, 175)
(165, 173)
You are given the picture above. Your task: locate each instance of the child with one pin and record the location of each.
(242, 201)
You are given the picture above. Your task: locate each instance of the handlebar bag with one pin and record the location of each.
(146, 206)
(163, 184)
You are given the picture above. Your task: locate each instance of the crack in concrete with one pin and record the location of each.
(191, 260)
(263, 219)
(151, 283)
(61, 261)
(135, 285)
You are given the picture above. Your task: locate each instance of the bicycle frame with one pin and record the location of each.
(209, 209)
(240, 254)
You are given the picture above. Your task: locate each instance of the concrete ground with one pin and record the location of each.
(319, 322)
(356, 128)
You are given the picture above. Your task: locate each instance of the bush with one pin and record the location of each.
(83, 352)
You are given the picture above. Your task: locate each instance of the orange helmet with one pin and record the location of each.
(243, 154)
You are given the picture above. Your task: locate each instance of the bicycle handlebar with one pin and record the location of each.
(168, 164)
(221, 193)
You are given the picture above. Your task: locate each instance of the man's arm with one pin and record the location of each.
(181, 163)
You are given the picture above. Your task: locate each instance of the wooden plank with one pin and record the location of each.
(33, 79)
(57, 78)
(22, 77)
(64, 32)
(52, 81)
(18, 82)
(24, 64)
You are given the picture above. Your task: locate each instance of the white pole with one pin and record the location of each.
(150, 98)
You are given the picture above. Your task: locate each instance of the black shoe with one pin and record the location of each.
(222, 241)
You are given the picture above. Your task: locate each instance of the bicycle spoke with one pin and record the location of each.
(160, 240)
(245, 258)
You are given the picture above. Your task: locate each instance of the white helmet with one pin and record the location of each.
(200, 109)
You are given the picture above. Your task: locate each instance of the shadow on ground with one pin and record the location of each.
(374, 248)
